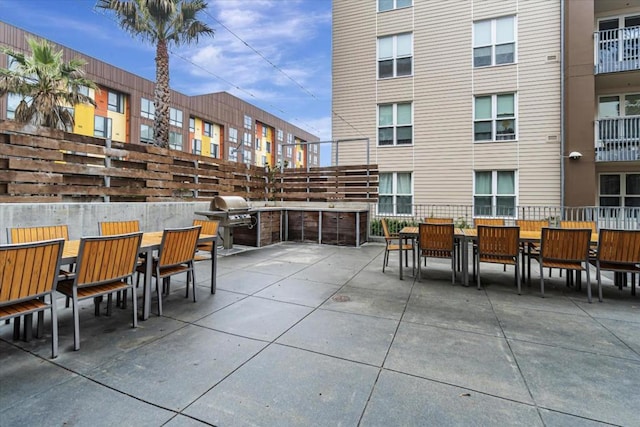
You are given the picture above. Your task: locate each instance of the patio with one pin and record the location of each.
(305, 334)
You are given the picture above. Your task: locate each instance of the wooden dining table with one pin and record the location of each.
(150, 242)
(466, 235)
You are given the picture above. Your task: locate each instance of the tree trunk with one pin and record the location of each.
(162, 96)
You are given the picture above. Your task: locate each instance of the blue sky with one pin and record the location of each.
(294, 35)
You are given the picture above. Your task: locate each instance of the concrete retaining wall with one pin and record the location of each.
(83, 218)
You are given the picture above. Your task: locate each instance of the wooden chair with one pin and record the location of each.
(488, 221)
(392, 245)
(579, 224)
(175, 256)
(618, 251)
(434, 220)
(530, 250)
(109, 228)
(567, 249)
(207, 227)
(436, 241)
(28, 274)
(105, 265)
(499, 245)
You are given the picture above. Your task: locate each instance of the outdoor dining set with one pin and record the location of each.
(40, 261)
(573, 246)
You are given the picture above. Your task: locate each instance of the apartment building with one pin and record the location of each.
(217, 125)
(482, 102)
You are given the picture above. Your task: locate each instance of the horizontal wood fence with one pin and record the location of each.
(45, 165)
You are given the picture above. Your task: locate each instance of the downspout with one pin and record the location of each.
(562, 96)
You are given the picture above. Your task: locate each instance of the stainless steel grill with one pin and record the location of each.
(231, 211)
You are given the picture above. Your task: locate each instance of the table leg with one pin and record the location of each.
(400, 252)
(214, 265)
(465, 261)
(146, 298)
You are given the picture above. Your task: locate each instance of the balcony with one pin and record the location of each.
(618, 139)
(617, 50)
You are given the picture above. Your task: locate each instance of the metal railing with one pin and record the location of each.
(617, 50)
(605, 217)
(618, 139)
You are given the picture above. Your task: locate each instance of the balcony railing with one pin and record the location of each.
(618, 139)
(617, 50)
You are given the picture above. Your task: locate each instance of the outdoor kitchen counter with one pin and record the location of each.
(339, 225)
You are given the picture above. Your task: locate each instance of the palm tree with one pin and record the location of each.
(161, 22)
(48, 86)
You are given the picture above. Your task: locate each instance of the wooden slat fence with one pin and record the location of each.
(46, 165)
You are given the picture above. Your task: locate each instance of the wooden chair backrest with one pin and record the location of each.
(207, 226)
(579, 224)
(35, 234)
(432, 220)
(436, 237)
(498, 241)
(105, 259)
(566, 244)
(619, 246)
(109, 228)
(29, 270)
(531, 224)
(178, 246)
(385, 229)
(488, 221)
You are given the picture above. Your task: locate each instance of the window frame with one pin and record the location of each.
(174, 145)
(248, 122)
(118, 106)
(394, 195)
(622, 194)
(146, 140)
(175, 117)
(214, 150)
(196, 146)
(394, 58)
(494, 195)
(493, 43)
(233, 135)
(394, 125)
(207, 129)
(150, 112)
(106, 133)
(394, 5)
(494, 119)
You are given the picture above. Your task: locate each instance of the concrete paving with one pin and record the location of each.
(313, 335)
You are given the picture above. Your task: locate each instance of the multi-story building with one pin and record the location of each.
(482, 102)
(217, 125)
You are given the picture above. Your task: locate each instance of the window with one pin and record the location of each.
(13, 100)
(289, 138)
(299, 154)
(206, 129)
(384, 5)
(618, 190)
(280, 135)
(265, 132)
(258, 144)
(247, 122)
(175, 140)
(289, 151)
(619, 118)
(396, 193)
(233, 135)
(175, 117)
(494, 193)
(247, 139)
(264, 161)
(279, 149)
(394, 124)
(247, 157)
(268, 148)
(395, 56)
(101, 127)
(146, 134)
(494, 42)
(495, 117)
(196, 146)
(233, 154)
(83, 90)
(214, 150)
(147, 109)
(115, 102)
(192, 124)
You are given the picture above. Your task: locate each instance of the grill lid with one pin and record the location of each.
(229, 203)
